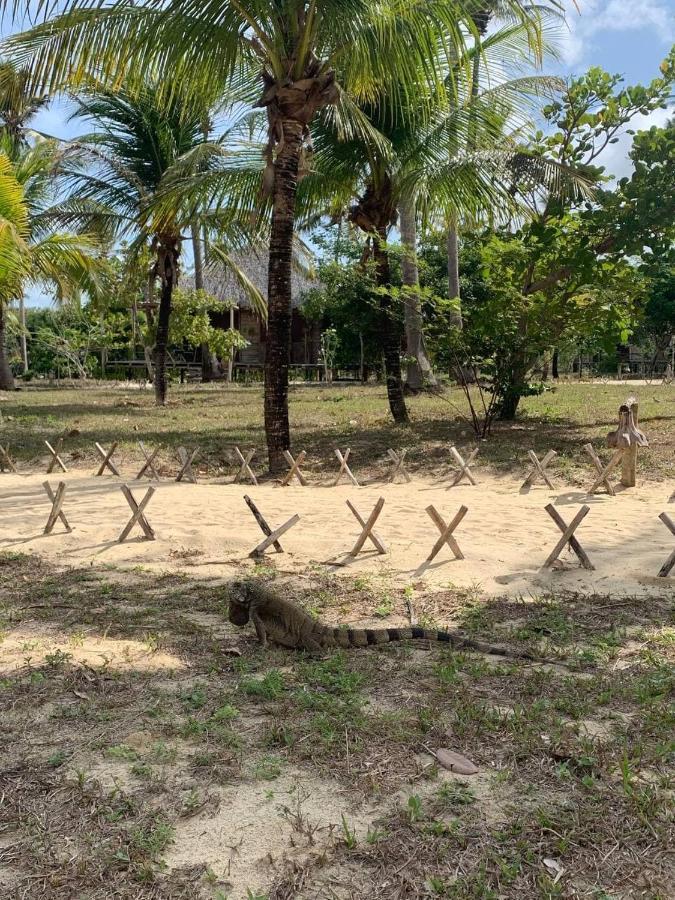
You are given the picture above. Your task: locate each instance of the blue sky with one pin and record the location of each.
(629, 37)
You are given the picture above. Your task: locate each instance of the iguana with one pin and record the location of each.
(282, 622)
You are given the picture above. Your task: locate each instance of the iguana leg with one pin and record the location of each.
(260, 630)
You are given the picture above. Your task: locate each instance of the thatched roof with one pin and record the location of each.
(221, 283)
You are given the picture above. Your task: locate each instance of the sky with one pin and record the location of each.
(628, 37)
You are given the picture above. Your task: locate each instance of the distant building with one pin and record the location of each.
(221, 284)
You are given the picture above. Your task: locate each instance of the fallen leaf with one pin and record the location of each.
(455, 762)
(554, 868)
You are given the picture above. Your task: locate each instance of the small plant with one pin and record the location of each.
(414, 808)
(57, 659)
(348, 834)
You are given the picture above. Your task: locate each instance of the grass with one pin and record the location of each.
(101, 763)
(217, 417)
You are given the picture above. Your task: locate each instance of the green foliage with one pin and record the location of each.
(190, 323)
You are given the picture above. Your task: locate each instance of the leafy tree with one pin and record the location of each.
(567, 263)
(32, 250)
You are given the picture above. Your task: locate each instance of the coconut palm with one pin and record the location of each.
(142, 143)
(33, 251)
(308, 56)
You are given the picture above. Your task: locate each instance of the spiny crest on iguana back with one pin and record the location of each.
(283, 622)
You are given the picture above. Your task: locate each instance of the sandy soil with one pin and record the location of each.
(206, 530)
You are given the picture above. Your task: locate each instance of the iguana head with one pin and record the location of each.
(240, 602)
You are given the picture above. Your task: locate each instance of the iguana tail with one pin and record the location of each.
(366, 637)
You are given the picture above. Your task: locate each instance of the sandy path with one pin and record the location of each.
(207, 530)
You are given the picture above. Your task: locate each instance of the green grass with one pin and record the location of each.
(217, 417)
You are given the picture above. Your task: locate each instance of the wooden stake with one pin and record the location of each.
(446, 531)
(138, 513)
(57, 502)
(599, 467)
(603, 477)
(539, 468)
(245, 468)
(107, 461)
(186, 465)
(344, 468)
(56, 459)
(6, 463)
(149, 463)
(295, 468)
(463, 466)
(399, 465)
(367, 529)
(271, 536)
(568, 536)
(670, 562)
(373, 536)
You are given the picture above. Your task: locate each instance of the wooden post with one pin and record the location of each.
(57, 502)
(138, 515)
(367, 527)
(628, 438)
(56, 459)
(568, 536)
(271, 536)
(6, 462)
(670, 562)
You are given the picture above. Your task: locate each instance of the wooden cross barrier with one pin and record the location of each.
(294, 468)
(186, 459)
(670, 562)
(399, 465)
(538, 469)
(245, 469)
(106, 456)
(367, 532)
(627, 438)
(57, 502)
(6, 462)
(56, 459)
(446, 531)
(271, 535)
(568, 536)
(148, 464)
(372, 536)
(138, 514)
(604, 471)
(343, 460)
(464, 470)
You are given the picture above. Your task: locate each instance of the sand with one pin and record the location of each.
(206, 530)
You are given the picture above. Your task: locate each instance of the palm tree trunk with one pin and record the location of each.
(277, 349)
(6, 377)
(24, 341)
(453, 276)
(419, 373)
(391, 344)
(168, 251)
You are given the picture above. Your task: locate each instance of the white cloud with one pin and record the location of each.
(589, 19)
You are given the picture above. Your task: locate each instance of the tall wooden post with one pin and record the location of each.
(628, 438)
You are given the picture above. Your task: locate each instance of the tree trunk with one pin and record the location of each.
(277, 350)
(554, 363)
(24, 342)
(6, 377)
(168, 252)
(513, 384)
(419, 373)
(391, 345)
(453, 276)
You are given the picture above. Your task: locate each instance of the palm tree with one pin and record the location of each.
(46, 256)
(144, 142)
(309, 56)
